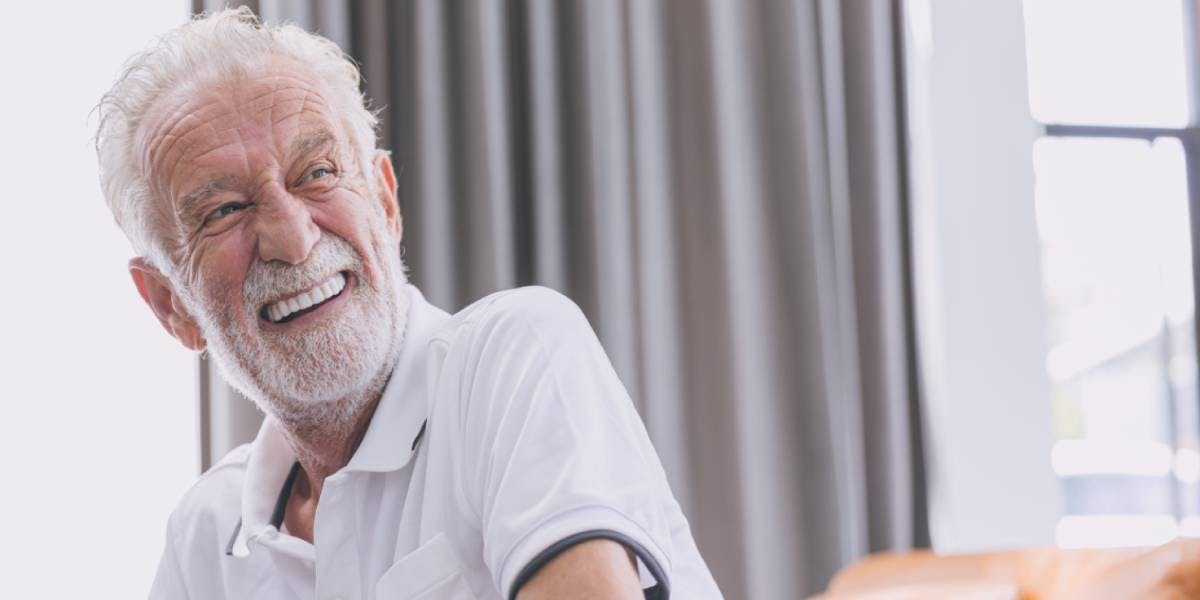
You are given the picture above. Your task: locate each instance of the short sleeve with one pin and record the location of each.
(554, 451)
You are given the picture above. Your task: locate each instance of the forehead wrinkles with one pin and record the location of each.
(250, 116)
(247, 120)
(162, 140)
(287, 96)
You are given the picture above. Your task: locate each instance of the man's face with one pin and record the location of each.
(287, 253)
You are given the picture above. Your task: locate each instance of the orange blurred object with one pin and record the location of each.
(1167, 572)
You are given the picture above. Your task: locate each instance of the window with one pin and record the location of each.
(1117, 167)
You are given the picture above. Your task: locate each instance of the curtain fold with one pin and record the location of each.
(719, 185)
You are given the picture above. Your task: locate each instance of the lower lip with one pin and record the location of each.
(315, 314)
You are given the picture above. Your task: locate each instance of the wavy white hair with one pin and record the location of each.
(224, 44)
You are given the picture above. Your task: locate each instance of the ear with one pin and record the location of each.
(385, 177)
(156, 290)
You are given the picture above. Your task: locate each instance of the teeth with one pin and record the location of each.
(321, 292)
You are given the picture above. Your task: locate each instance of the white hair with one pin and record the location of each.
(224, 44)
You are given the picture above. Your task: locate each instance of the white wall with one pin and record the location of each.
(981, 312)
(98, 411)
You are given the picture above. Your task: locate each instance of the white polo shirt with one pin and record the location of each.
(502, 438)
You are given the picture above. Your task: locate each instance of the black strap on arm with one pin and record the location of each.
(660, 591)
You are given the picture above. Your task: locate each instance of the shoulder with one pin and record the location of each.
(508, 351)
(213, 503)
(532, 314)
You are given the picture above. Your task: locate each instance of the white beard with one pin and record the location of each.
(323, 377)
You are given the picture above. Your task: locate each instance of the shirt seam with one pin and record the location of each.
(542, 354)
(473, 323)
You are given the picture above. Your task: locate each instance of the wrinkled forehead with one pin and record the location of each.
(232, 124)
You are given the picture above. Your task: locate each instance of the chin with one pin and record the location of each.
(306, 387)
(325, 374)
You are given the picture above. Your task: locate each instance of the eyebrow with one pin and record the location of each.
(306, 143)
(198, 195)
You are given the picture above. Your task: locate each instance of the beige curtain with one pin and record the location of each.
(719, 184)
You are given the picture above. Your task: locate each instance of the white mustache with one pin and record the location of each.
(270, 281)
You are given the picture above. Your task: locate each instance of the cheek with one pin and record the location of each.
(353, 220)
(221, 266)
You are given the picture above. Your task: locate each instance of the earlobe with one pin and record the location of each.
(155, 289)
(184, 328)
(187, 333)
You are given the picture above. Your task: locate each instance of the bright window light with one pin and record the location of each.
(1189, 527)
(99, 435)
(1115, 531)
(1107, 62)
(1074, 458)
(1116, 264)
(1187, 466)
(1113, 220)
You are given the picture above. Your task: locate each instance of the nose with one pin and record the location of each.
(285, 228)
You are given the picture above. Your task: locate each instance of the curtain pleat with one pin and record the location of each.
(719, 185)
(874, 140)
(428, 173)
(546, 144)
(605, 193)
(659, 328)
(755, 363)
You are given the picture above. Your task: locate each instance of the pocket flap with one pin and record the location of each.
(431, 571)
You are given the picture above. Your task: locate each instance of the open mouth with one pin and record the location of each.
(297, 305)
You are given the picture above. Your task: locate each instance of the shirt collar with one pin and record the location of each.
(399, 420)
(391, 439)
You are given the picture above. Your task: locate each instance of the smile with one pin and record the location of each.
(296, 305)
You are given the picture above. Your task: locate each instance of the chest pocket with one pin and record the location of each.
(432, 571)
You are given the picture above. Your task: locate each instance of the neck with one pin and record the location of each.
(325, 436)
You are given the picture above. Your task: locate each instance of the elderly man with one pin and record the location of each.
(406, 453)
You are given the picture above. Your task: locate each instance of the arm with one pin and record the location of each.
(593, 569)
(554, 453)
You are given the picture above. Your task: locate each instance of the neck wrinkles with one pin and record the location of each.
(325, 438)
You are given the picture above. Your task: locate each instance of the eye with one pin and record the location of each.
(224, 210)
(318, 172)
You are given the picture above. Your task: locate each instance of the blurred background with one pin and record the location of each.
(878, 274)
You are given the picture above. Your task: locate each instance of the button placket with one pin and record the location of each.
(337, 557)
